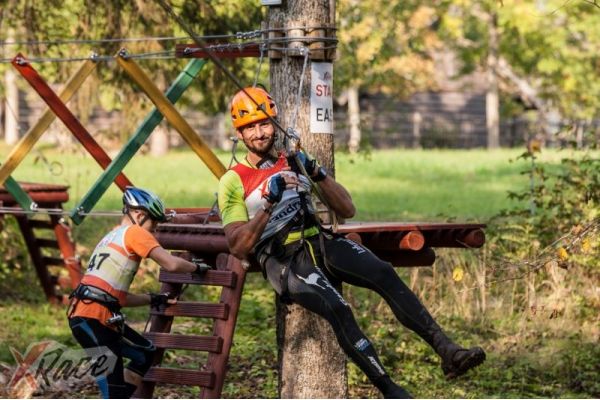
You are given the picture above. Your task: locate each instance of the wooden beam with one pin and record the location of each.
(172, 115)
(144, 130)
(66, 116)
(26, 143)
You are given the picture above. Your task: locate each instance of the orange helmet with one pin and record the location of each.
(244, 111)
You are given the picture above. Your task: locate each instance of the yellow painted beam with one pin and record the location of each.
(27, 142)
(171, 114)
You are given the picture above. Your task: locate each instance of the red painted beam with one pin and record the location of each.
(41, 198)
(66, 116)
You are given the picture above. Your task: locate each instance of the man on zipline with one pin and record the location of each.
(95, 314)
(265, 204)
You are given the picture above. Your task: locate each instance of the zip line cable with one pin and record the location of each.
(238, 35)
(264, 46)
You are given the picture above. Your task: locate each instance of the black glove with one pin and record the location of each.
(158, 299)
(276, 187)
(201, 267)
(312, 167)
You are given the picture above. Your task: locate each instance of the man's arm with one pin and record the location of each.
(337, 197)
(170, 262)
(136, 300)
(242, 236)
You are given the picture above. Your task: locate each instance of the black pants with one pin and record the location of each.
(298, 272)
(90, 334)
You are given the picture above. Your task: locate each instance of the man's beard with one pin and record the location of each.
(263, 150)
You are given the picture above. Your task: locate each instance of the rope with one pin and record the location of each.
(237, 35)
(54, 167)
(169, 54)
(260, 61)
(265, 45)
(304, 51)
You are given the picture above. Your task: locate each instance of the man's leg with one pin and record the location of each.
(356, 265)
(306, 285)
(92, 334)
(141, 353)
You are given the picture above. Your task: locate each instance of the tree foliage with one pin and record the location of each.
(552, 44)
(386, 48)
(85, 19)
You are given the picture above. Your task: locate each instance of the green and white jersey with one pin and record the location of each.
(241, 191)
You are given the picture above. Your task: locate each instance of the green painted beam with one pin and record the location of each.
(18, 193)
(177, 88)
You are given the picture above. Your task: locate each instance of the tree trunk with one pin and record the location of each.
(311, 362)
(354, 119)
(492, 102)
(159, 140)
(11, 105)
(222, 132)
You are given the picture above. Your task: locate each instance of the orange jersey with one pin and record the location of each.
(113, 265)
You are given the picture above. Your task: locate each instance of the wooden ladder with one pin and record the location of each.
(228, 274)
(46, 252)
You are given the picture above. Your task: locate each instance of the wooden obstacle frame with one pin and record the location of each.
(402, 244)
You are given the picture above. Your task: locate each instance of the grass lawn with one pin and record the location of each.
(389, 184)
(397, 185)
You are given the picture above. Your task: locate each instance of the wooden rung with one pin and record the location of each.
(180, 376)
(41, 224)
(53, 261)
(212, 344)
(194, 309)
(212, 277)
(47, 243)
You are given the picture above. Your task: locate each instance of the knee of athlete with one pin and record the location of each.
(343, 311)
(141, 363)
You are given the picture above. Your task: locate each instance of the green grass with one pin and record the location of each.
(400, 185)
(391, 184)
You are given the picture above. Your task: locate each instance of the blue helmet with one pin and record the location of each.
(141, 199)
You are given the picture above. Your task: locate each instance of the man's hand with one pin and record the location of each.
(201, 267)
(159, 299)
(312, 167)
(275, 188)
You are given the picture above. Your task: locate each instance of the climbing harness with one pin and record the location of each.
(87, 294)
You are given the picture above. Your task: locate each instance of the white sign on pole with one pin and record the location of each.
(321, 97)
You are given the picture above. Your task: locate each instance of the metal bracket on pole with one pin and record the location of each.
(171, 114)
(144, 130)
(66, 116)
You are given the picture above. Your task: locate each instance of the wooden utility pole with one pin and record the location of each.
(312, 365)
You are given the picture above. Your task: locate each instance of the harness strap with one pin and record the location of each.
(96, 295)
